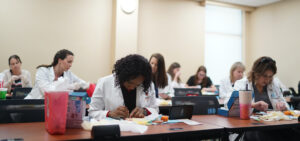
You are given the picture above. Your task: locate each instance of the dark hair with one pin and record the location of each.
(130, 67)
(62, 54)
(260, 66)
(171, 68)
(15, 57)
(205, 79)
(160, 77)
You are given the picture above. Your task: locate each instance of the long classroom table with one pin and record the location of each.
(213, 126)
(36, 131)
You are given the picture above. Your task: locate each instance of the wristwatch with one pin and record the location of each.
(145, 112)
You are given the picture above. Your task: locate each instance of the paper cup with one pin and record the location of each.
(245, 99)
(3, 92)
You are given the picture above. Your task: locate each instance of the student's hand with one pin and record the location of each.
(24, 79)
(281, 106)
(164, 96)
(260, 105)
(13, 78)
(177, 75)
(137, 112)
(120, 112)
(74, 86)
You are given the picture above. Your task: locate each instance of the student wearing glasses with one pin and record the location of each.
(201, 80)
(15, 76)
(267, 96)
(267, 89)
(127, 93)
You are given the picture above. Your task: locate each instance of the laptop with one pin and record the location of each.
(21, 93)
(187, 92)
(203, 105)
(181, 112)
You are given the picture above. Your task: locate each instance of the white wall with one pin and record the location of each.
(174, 28)
(37, 29)
(274, 31)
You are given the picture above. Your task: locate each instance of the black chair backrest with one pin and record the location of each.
(187, 92)
(299, 87)
(293, 91)
(203, 105)
(17, 110)
(181, 112)
(20, 93)
(106, 132)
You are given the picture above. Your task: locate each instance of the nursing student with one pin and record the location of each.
(127, 93)
(161, 80)
(267, 96)
(48, 74)
(200, 79)
(226, 85)
(174, 72)
(15, 76)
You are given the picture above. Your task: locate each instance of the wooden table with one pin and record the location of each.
(236, 124)
(37, 131)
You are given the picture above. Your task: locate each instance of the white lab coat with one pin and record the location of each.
(43, 79)
(226, 88)
(167, 89)
(26, 82)
(274, 90)
(108, 97)
(175, 84)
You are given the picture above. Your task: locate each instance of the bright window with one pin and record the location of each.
(223, 40)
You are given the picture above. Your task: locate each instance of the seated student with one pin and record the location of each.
(267, 95)
(162, 82)
(267, 91)
(47, 74)
(200, 79)
(127, 92)
(227, 84)
(15, 76)
(174, 72)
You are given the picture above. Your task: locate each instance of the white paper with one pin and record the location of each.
(190, 122)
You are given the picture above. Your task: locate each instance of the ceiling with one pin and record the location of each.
(251, 3)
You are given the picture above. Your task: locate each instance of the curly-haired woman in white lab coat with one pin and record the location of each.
(128, 92)
(48, 74)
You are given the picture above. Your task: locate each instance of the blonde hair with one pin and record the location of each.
(234, 67)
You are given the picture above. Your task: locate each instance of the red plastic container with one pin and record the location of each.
(56, 105)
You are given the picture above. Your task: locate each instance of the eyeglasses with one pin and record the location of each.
(267, 60)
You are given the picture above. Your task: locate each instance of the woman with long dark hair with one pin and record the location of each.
(47, 74)
(160, 78)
